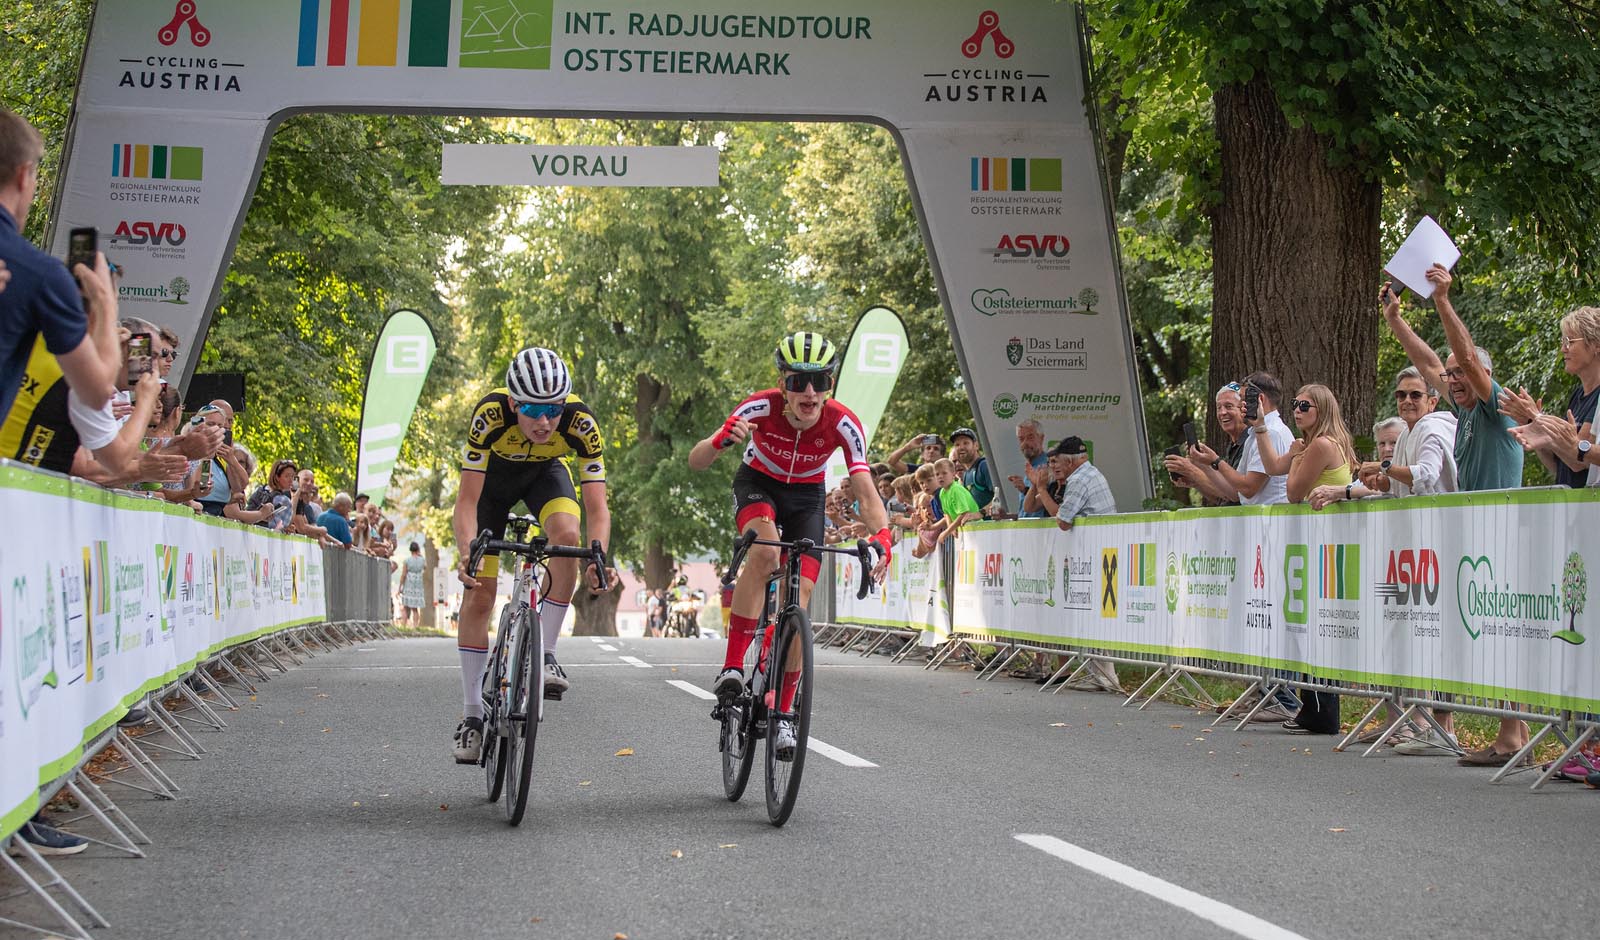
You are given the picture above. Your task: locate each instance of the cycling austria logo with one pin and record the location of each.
(990, 77)
(1489, 606)
(161, 71)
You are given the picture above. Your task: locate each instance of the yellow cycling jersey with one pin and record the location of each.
(494, 437)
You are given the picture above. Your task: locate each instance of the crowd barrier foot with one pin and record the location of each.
(904, 652)
(161, 786)
(187, 744)
(951, 646)
(851, 640)
(212, 685)
(239, 679)
(1267, 691)
(41, 890)
(208, 717)
(1355, 735)
(825, 633)
(1573, 750)
(1071, 670)
(125, 841)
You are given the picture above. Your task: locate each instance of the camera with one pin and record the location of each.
(1252, 403)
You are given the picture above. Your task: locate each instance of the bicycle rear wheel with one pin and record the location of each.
(493, 760)
(526, 705)
(783, 777)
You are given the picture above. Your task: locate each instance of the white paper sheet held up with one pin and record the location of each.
(1426, 246)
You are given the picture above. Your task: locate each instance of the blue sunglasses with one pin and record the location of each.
(529, 409)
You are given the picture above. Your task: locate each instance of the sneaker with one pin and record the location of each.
(135, 717)
(469, 741)
(48, 840)
(785, 743)
(555, 679)
(1430, 744)
(730, 682)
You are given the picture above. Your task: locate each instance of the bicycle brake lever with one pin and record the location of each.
(599, 558)
(864, 553)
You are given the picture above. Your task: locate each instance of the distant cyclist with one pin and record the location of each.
(787, 435)
(514, 452)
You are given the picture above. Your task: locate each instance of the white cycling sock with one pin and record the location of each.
(551, 615)
(472, 662)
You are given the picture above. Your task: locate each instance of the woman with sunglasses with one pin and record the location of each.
(520, 436)
(1323, 456)
(787, 435)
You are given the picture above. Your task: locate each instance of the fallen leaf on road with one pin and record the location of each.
(252, 698)
(326, 730)
(444, 806)
(1058, 724)
(1174, 726)
(1338, 830)
(356, 803)
(1089, 725)
(625, 752)
(535, 920)
(1205, 730)
(584, 783)
(1199, 739)
(728, 845)
(676, 853)
(620, 936)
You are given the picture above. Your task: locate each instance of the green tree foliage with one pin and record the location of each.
(42, 43)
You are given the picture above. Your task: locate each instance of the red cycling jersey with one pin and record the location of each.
(789, 455)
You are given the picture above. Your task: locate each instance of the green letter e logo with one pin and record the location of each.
(1296, 588)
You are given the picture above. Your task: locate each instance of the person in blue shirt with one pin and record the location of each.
(336, 519)
(41, 298)
(1030, 441)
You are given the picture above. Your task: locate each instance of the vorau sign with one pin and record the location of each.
(523, 165)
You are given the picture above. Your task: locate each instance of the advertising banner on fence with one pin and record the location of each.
(106, 597)
(400, 363)
(1447, 594)
(913, 594)
(173, 113)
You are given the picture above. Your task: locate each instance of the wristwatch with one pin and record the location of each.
(1583, 451)
(1385, 467)
(1347, 490)
(1216, 464)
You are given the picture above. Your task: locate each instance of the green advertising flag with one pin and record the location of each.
(871, 366)
(400, 363)
(867, 374)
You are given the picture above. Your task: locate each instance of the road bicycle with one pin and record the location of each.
(784, 638)
(513, 682)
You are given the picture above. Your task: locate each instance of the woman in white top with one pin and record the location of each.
(1424, 462)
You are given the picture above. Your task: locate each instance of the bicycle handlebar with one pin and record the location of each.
(862, 551)
(538, 549)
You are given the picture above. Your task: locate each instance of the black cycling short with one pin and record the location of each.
(545, 485)
(798, 509)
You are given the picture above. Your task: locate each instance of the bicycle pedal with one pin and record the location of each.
(552, 695)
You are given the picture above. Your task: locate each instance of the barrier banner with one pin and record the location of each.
(1474, 594)
(106, 597)
(400, 363)
(913, 594)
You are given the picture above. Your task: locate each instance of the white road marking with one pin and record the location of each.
(1225, 916)
(835, 754)
(597, 639)
(812, 744)
(608, 647)
(634, 661)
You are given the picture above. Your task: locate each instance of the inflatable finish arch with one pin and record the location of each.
(177, 103)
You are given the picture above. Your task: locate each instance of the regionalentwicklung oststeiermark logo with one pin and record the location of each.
(1574, 593)
(497, 34)
(1005, 406)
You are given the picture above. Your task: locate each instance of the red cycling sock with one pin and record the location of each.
(791, 683)
(741, 631)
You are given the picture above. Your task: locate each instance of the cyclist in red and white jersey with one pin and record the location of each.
(788, 434)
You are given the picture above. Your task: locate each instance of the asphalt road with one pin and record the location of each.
(331, 808)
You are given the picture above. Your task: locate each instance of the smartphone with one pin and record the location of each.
(1188, 434)
(82, 245)
(929, 440)
(1252, 402)
(205, 477)
(140, 358)
(1173, 451)
(1396, 290)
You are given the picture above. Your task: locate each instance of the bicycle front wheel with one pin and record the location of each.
(494, 708)
(525, 702)
(791, 655)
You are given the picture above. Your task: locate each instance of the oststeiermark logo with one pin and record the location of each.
(1574, 592)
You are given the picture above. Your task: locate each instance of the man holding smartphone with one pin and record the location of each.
(932, 449)
(42, 298)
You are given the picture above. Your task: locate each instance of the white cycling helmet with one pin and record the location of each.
(538, 375)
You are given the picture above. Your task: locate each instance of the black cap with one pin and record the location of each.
(1069, 447)
(963, 432)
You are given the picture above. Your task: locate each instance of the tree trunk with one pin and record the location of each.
(430, 561)
(650, 396)
(1295, 260)
(594, 615)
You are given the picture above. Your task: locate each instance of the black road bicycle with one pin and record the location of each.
(513, 684)
(782, 645)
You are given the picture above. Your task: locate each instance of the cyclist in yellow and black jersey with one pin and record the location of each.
(518, 445)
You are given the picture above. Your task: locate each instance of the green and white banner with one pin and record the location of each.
(1448, 594)
(107, 597)
(913, 595)
(868, 372)
(174, 112)
(400, 363)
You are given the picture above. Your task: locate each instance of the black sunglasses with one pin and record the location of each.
(798, 381)
(1401, 394)
(1302, 405)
